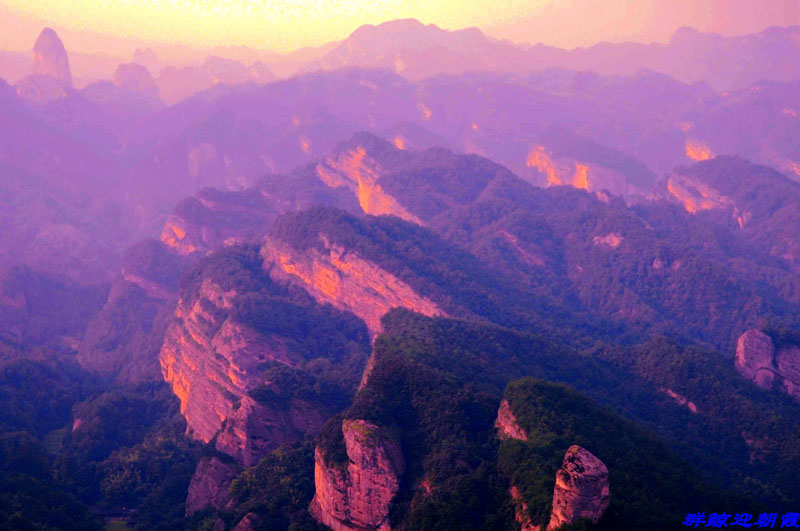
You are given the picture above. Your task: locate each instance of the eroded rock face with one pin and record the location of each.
(209, 485)
(754, 358)
(249, 522)
(359, 495)
(255, 429)
(507, 425)
(696, 196)
(344, 280)
(211, 361)
(582, 489)
(521, 511)
(788, 364)
(758, 360)
(50, 57)
(356, 171)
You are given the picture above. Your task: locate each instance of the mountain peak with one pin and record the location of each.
(50, 57)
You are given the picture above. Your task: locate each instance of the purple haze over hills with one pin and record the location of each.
(613, 116)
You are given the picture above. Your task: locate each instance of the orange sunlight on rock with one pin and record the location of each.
(358, 172)
(697, 150)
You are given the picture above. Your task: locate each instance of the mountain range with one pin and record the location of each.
(430, 280)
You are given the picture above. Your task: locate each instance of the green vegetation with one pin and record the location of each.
(652, 488)
(30, 496)
(437, 383)
(279, 489)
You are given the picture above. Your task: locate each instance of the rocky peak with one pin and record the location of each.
(359, 495)
(136, 78)
(50, 57)
(507, 425)
(582, 489)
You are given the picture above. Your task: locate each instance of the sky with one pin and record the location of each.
(119, 26)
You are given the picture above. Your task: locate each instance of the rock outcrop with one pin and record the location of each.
(507, 425)
(358, 494)
(249, 522)
(212, 361)
(354, 170)
(680, 399)
(582, 489)
(521, 511)
(759, 360)
(50, 57)
(345, 280)
(210, 485)
(255, 429)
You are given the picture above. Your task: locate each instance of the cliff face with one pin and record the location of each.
(507, 424)
(758, 360)
(358, 496)
(199, 359)
(235, 354)
(212, 218)
(582, 489)
(255, 429)
(209, 485)
(343, 279)
(354, 170)
(521, 511)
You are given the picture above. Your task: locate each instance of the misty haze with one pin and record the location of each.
(369, 266)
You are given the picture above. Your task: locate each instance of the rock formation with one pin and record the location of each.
(507, 424)
(50, 58)
(211, 361)
(344, 280)
(582, 489)
(255, 429)
(358, 495)
(758, 360)
(210, 485)
(249, 522)
(356, 171)
(521, 511)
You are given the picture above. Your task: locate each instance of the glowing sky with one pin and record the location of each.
(282, 25)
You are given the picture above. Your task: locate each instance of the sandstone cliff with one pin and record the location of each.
(211, 360)
(210, 484)
(358, 495)
(521, 511)
(237, 352)
(341, 278)
(759, 360)
(354, 170)
(255, 429)
(582, 489)
(507, 424)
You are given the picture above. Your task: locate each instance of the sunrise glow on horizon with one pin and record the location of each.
(285, 25)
